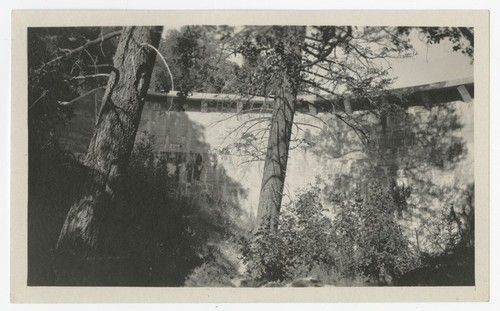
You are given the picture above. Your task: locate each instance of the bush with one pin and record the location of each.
(370, 240)
(359, 242)
(303, 240)
(455, 228)
(450, 259)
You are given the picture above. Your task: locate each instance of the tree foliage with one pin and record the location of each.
(462, 38)
(198, 59)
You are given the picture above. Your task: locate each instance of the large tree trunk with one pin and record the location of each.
(273, 180)
(111, 145)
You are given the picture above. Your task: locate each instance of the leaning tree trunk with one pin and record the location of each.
(111, 145)
(273, 180)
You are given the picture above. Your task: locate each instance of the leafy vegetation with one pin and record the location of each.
(450, 260)
(199, 60)
(359, 239)
(371, 237)
(462, 38)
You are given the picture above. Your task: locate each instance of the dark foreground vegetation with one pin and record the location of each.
(154, 237)
(157, 237)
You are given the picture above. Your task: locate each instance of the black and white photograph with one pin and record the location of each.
(251, 155)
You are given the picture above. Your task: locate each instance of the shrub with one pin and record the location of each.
(370, 240)
(455, 228)
(360, 242)
(450, 259)
(304, 240)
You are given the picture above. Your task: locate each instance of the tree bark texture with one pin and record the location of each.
(111, 145)
(273, 180)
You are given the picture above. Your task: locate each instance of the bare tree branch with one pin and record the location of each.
(81, 48)
(89, 76)
(38, 99)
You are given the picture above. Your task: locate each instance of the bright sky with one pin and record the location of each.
(433, 63)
